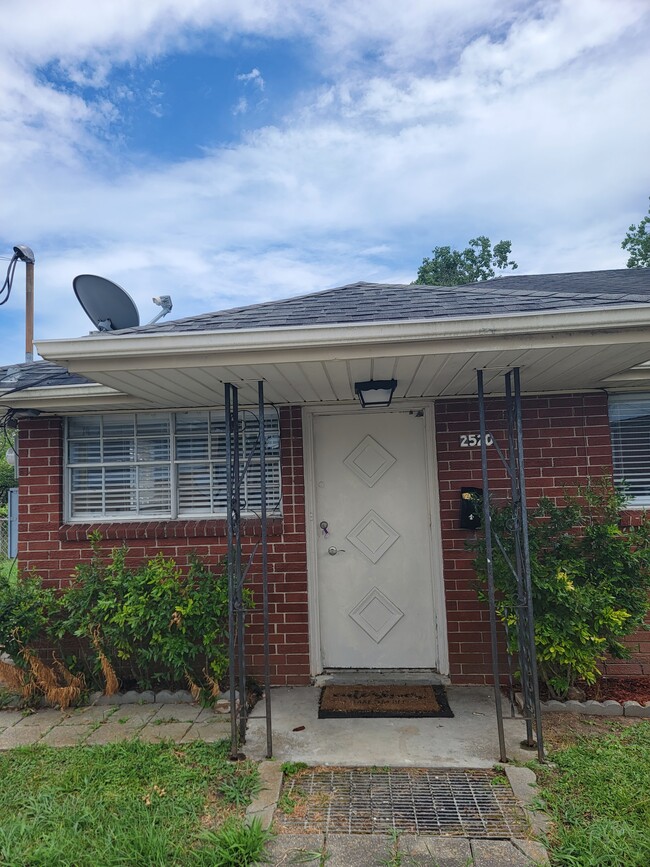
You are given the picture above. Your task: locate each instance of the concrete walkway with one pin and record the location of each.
(112, 723)
(379, 850)
(469, 740)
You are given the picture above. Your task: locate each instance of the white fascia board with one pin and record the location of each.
(114, 351)
(62, 397)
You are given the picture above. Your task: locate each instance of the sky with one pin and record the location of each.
(227, 152)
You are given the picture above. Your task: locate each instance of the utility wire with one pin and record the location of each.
(5, 292)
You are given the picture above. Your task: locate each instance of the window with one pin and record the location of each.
(629, 418)
(164, 465)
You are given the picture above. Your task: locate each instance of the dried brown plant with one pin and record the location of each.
(110, 678)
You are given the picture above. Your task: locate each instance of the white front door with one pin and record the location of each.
(373, 541)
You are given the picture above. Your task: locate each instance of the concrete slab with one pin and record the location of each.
(295, 849)
(208, 714)
(44, 719)
(438, 851)
(173, 731)
(498, 853)
(178, 712)
(534, 850)
(10, 717)
(67, 736)
(208, 733)
(19, 736)
(90, 714)
(468, 740)
(111, 733)
(523, 783)
(134, 716)
(263, 804)
(358, 850)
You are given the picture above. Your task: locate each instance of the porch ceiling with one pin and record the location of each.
(555, 352)
(418, 376)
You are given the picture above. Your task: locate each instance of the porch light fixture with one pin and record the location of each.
(375, 392)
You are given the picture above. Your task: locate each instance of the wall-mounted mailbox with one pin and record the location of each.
(471, 507)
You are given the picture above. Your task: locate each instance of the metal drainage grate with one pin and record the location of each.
(420, 801)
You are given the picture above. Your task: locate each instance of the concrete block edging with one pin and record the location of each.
(164, 696)
(598, 708)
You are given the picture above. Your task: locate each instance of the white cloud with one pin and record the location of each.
(252, 77)
(241, 106)
(437, 122)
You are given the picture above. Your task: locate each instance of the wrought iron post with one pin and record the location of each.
(234, 745)
(513, 463)
(240, 610)
(487, 523)
(529, 636)
(265, 568)
(237, 611)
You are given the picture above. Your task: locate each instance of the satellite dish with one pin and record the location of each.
(107, 305)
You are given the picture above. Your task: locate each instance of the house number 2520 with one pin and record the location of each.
(468, 441)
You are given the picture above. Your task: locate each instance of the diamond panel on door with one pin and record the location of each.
(369, 461)
(376, 614)
(373, 536)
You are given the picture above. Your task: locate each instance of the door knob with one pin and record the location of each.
(333, 550)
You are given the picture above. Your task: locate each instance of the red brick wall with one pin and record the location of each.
(566, 441)
(53, 548)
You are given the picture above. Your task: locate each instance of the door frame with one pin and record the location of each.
(435, 533)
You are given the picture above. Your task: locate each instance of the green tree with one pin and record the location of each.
(637, 244)
(476, 262)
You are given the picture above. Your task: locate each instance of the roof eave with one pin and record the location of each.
(101, 348)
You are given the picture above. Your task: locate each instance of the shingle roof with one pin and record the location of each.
(383, 302)
(31, 374)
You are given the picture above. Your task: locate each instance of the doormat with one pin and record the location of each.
(383, 700)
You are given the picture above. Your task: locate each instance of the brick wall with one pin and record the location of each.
(566, 441)
(53, 548)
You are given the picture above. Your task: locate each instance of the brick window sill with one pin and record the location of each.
(154, 530)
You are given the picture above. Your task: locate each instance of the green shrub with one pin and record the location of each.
(25, 612)
(590, 576)
(163, 626)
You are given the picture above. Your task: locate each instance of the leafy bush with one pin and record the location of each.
(162, 626)
(590, 577)
(151, 622)
(25, 611)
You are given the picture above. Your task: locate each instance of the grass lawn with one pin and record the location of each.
(126, 804)
(8, 569)
(598, 795)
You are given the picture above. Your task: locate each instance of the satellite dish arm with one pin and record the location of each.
(165, 302)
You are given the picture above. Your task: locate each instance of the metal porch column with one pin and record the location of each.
(519, 565)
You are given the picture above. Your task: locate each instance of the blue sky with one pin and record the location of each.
(237, 151)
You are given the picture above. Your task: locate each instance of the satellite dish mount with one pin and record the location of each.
(109, 307)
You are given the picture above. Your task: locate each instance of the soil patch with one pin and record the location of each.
(386, 700)
(620, 689)
(562, 730)
(610, 688)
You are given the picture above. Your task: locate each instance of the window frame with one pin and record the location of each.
(172, 462)
(638, 501)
